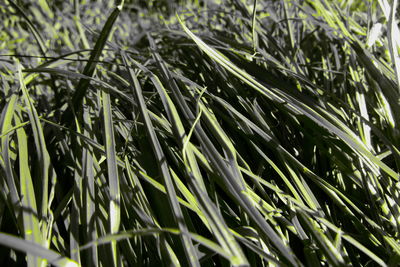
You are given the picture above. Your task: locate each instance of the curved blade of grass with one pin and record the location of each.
(78, 76)
(90, 67)
(89, 141)
(32, 28)
(34, 249)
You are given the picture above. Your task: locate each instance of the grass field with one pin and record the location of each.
(199, 133)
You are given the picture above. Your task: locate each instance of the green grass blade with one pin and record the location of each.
(393, 44)
(32, 248)
(89, 191)
(6, 128)
(30, 215)
(48, 175)
(90, 67)
(113, 179)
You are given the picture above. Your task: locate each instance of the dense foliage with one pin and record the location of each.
(212, 133)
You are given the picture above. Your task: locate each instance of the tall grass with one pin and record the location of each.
(199, 133)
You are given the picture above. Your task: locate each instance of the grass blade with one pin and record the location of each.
(48, 175)
(90, 67)
(113, 179)
(33, 249)
(30, 215)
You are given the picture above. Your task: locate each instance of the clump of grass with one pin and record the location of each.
(244, 133)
